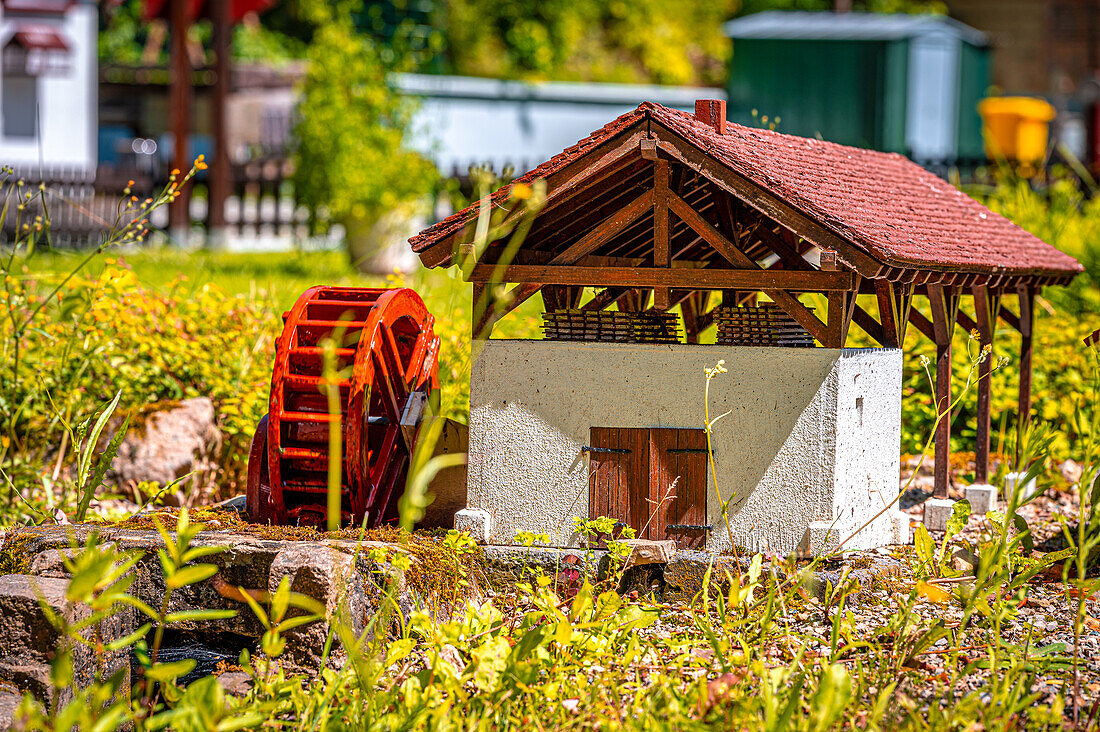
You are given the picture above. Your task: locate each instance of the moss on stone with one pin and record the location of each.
(14, 556)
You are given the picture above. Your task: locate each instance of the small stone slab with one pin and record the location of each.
(936, 513)
(647, 551)
(982, 498)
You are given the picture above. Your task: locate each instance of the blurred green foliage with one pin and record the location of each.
(657, 41)
(352, 161)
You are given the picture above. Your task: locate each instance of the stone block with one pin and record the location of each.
(982, 498)
(1028, 489)
(29, 641)
(936, 513)
(235, 683)
(330, 577)
(821, 537)
(477, 522)
(646, 551)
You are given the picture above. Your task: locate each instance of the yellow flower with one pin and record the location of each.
(521, 191)
(199, 164)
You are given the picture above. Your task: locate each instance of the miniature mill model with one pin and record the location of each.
(386, 361)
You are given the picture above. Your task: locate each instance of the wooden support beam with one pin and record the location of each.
(180, 102)
(923, 324)
(867, 322)
(786, 253)
(221, 170)
(1009, 317)
(662, 252)
(888, 314)
(480, 326)
(604, 298)
(1026, 297)
(968, 324)
(986, 305)
(648, 277)
(944, 303)
(842, 307)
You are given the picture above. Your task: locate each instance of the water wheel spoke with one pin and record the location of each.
(384, 380)
(379, 462)
(396, 367)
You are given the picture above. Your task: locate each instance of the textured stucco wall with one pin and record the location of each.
(532, 404)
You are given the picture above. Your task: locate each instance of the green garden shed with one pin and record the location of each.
(897, 83)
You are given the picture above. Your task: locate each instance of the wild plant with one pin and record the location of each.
(29, 307)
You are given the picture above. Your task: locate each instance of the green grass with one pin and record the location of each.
(280, 277)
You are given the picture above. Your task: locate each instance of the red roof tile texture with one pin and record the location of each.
(888, 206)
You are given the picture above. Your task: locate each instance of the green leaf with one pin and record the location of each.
(960, 515)
(165, 672)
(924, 546)
(190, 575)
(124, 642)
(281, 600)
(89, 484)
(398, 650)
(186, 616)
(1023, 533)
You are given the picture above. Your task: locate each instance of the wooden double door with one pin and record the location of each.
(653, 480)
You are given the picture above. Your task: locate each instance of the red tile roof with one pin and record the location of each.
(890, 207)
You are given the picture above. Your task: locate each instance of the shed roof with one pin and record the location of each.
(887, 206)
(829, 26)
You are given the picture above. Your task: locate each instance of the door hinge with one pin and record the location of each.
(612, 450)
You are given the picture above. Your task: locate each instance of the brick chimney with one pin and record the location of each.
(712, 112)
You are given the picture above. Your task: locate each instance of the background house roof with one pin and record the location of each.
(884, 204)
(823, 25)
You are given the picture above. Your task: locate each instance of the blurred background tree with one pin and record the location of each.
(352, 159)
(655, 41)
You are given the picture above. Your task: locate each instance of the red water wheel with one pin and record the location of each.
(388, 378)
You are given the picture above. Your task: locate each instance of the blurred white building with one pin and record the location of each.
(48, 116)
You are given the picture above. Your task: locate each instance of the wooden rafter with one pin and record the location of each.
(560, 184)
(588, 243)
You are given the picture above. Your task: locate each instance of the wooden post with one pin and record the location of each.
(838, 317)
(985, 311)
(1027, 322)
(481, 313)
(944, 303)
(662, 251)
(180, 96)
(220, 172)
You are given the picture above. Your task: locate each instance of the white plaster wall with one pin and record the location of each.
(67, 101)
(532, 404)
